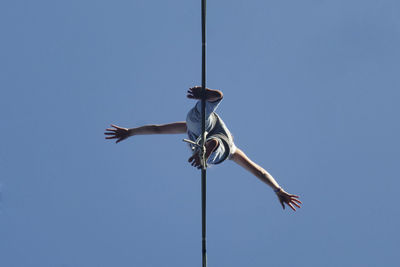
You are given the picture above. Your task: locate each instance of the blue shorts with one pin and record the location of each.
(215, 128)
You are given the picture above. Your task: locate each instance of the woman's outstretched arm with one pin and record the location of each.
(240, 158)
(121, 133)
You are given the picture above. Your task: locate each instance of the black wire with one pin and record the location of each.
(203, 129)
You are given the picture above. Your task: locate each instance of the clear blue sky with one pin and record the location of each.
(311, 94)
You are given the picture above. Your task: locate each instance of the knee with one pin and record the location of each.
(212, 144)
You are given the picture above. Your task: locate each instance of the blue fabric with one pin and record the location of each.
(193, 118)
(214, 125)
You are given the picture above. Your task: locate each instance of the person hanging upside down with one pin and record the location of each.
(219, 141)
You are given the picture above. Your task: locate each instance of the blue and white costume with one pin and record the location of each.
(215, 128)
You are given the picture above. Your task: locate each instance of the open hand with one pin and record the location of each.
(118, 133)
(288, 199)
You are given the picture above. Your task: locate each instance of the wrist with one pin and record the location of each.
(131, 131)
(277, 190)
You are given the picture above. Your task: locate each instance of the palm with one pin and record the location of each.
(288, 199)
(117, 132)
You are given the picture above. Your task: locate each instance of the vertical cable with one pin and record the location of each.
(203, 129)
